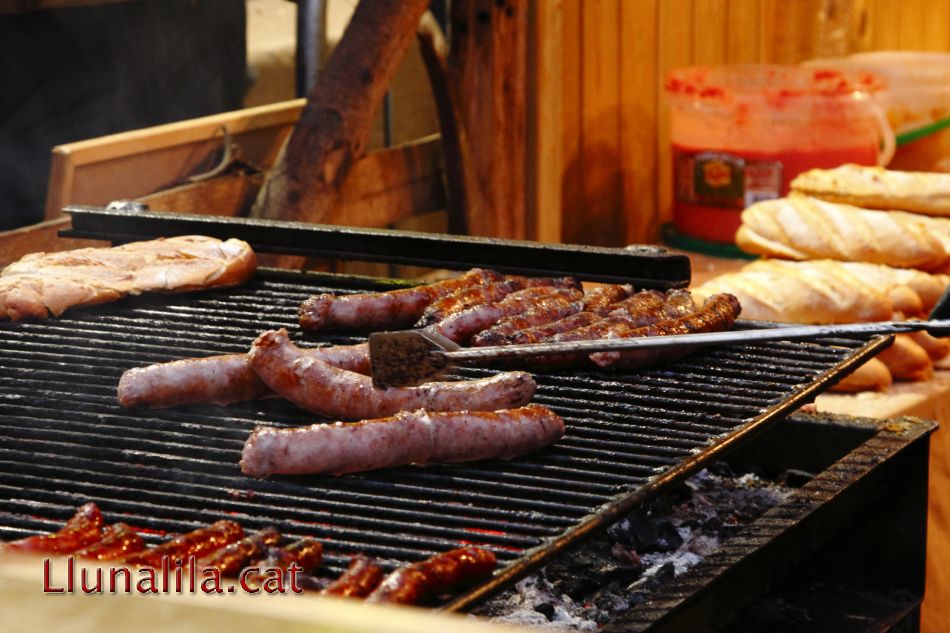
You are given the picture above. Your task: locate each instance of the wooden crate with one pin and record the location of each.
(401, 186)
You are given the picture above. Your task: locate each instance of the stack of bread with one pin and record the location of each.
(848, 245)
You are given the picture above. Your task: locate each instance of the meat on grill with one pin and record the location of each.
(460, 327)
(718, 313)
(41, 284)
(335, 393)
(82, 530)
(306, 553)
(218, 379)
(118, 541)
(428, 579)
(417, 437)
(230, 559)
(197, 543)
(392, 309)
(508, 327)
(469, 298)
(358, 581)
(641, 304)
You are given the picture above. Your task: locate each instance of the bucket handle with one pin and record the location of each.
(888, 140)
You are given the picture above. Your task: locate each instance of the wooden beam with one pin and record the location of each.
(336, 121)
(639, 108)
(487, 73)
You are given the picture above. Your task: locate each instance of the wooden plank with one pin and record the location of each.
(227, 195)
(789, 30)
(391, 185)
(384, 187)
(545, 117)
(509, 116)
(639, 109)
(675, 49)
(572, 129)
(132, 163)
(44, 236)
(710, 31)
(487, 72)
(743, 21)
(602, 221)
(883, 21)
(937, 30)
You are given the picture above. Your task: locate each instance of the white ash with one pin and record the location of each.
(584, 589)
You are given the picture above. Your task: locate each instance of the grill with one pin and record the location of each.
(64, 440)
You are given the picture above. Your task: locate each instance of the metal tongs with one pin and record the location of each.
(411, 357)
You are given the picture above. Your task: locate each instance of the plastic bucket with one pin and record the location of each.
(741, 133)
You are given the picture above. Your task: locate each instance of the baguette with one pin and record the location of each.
(800, 227)
(906, 360)
(936, 348)
(871, 376)
(791, 292)
(879, 188)
(912, 293)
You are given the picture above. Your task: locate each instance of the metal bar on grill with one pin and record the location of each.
(643, 266)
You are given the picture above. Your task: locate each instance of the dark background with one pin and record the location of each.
(78, 73)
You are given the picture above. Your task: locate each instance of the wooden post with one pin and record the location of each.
(486, 71)
(331, 134)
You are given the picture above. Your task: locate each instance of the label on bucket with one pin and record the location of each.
(719, 179)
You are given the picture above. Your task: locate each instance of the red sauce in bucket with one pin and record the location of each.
(719, 222)
(740, 134)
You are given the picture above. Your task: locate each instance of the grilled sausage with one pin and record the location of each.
(467, 299)
(462, 326)
(307, 553)
(230, 559)
(335, 393)
(197, 543)
(640, 303)
(414, 437)
(508, 328)
(118, 541)
(82, 530)
(395, 308)
(358, 581)
(428, 579)
(218, 379)
(600, 297)
(718, 313)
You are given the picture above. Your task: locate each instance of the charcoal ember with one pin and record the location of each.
(627, 556)
(654, 581)
(645, 531)
(581, 572)
(640, 554)
(611, 600)
(546, 609)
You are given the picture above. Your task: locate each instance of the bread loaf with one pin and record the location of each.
(878, 188)
(936, 348)
(906, 360)
(800, 227)
(912, 293)
(871, 376)
(800, 293)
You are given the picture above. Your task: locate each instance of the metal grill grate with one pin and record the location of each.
(64, 440)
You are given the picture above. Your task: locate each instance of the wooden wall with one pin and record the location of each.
(598, 154)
